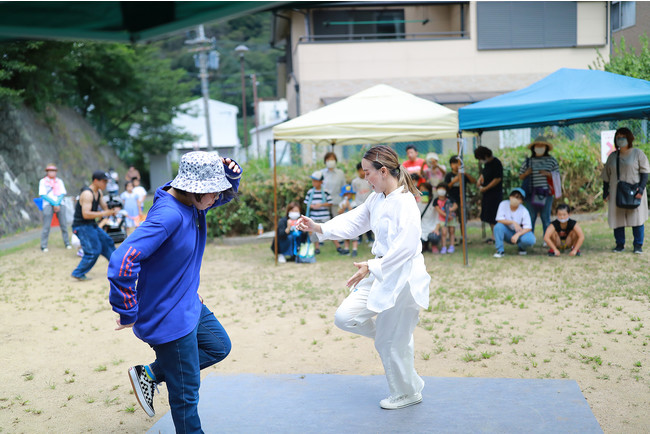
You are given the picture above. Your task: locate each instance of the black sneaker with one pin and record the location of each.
(638, 250)
(344, 252)
(316, 251)
(618, 249)
(143, 388)
(340, 250)
(354, 253)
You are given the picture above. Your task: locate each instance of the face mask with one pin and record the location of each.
(331, 164)
(514, 202)
(563, 220)
(442, 192)
(540, 150)
(294, 215)
(621, 142)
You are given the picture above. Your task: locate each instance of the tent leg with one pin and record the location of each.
(461, 172)
(275, 203)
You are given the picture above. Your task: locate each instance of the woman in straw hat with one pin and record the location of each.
(154, 278)
(388, 291)
(538, 169)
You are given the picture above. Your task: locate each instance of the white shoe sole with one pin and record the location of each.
(133, 376)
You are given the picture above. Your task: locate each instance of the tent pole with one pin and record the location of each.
(275, 203)
(478, 143)
(461, 173)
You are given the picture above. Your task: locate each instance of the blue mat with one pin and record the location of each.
(319, 403)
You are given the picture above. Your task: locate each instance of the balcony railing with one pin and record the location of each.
(384, 37)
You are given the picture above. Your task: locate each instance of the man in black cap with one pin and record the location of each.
(94, 241)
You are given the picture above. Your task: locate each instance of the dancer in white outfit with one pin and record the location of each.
(388, 291)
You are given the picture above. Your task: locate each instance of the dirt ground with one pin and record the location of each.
(587, 318)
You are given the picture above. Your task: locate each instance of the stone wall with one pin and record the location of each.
(28, 142)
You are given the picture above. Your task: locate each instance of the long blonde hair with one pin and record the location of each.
(383, 156)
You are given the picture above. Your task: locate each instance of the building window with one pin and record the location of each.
(515, 25)
(623, 15)
(359, 24)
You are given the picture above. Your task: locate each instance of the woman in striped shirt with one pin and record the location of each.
(539, 167)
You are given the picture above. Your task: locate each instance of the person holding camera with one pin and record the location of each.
(627, 166)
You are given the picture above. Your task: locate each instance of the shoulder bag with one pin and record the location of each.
(625, 192)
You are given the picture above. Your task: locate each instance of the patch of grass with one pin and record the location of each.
(100, 368)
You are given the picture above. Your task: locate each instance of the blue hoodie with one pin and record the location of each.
(155, 273)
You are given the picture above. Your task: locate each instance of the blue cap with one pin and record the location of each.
(519, 190)
(347, 189)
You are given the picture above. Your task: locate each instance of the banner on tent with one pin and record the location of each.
(606, 144)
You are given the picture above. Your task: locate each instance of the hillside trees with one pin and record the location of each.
(128, 93)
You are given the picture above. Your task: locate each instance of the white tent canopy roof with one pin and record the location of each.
(380, 114)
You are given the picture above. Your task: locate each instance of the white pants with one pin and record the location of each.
(392, 331)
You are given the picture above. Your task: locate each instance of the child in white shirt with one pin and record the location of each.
(513, 224)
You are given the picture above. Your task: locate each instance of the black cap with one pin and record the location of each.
(101, 176)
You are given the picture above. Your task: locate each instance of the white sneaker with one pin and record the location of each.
(523, 252)
(499, 255)
(395, 402)
(282, 259)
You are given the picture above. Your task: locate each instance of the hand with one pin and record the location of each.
(121, 326)
(482, 189)
(638, 196)
(231, 165)
(518, 228)
(605, 199)
(557, 252)
(307, 224)
(571, 253)
(359, 275)
(514, 239)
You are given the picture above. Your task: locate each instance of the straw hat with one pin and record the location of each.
(201, 172)
(542, 140)
(51, 167)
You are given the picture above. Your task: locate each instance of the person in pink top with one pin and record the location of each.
(52, 192)
(413, 163)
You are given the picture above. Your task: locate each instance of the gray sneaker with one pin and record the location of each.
(143, 388)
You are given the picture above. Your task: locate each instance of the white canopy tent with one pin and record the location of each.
(380, 114)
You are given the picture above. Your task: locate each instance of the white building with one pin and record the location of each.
(270, 114)
(223, 129)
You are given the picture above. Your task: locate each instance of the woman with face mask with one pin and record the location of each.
(288, 235)
(333, 181)
(536, 172)
(634, 168)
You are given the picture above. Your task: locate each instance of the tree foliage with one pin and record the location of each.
(626, 61)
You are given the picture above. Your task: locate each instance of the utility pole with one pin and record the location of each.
(256, 103)
(203, 46)
(241, 50)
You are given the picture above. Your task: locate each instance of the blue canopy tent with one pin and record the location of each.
(567, 96)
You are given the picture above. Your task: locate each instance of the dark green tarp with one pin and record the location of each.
(115, 21)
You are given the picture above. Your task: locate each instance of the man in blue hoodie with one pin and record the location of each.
(154, 279)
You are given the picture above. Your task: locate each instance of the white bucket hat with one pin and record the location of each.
(201, 172)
